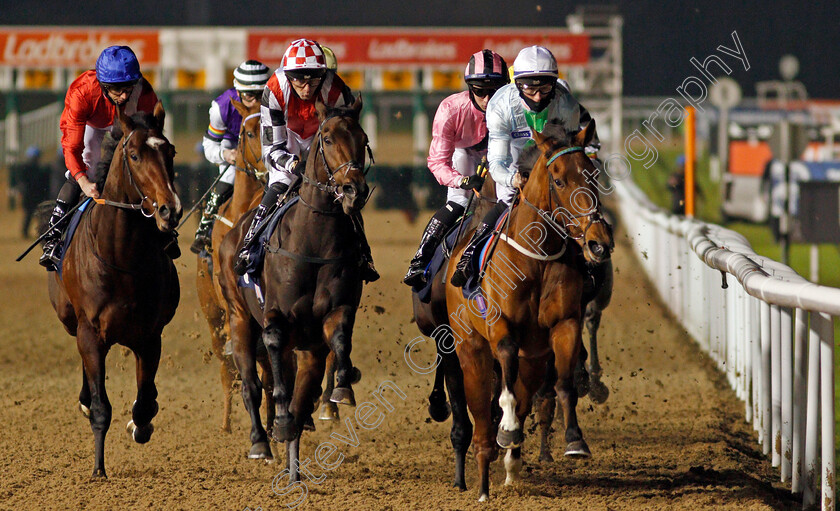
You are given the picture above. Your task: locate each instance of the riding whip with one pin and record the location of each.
(48, 231)
(192, 209)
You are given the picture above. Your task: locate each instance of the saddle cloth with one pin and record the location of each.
(70, 231)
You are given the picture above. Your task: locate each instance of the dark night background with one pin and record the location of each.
(659, 36)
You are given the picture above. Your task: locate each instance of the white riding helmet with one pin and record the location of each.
(534, 61)
(251, 76)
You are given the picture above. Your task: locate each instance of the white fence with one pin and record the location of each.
(769, 330)
(38, 127)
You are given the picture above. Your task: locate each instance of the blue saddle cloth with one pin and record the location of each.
(441, 255)
(477, 264)
(70, 231)
(256, 254)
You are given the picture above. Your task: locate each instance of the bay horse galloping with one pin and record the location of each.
(117, 285)
(247, 192)
(533, 289)
(312, 286)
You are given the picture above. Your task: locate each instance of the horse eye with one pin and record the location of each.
(327, 141)
(134, 157)
(560, 183)
(250, 134)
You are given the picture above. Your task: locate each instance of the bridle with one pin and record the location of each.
(127, 171)
(594, 216)
(250, 169)
(332, 187)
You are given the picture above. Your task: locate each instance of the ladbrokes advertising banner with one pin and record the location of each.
(416, 46)
(58, 47)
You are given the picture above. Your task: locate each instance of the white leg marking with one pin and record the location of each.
(513, 467)
(508, 404)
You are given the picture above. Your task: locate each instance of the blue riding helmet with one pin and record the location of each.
(117, 64)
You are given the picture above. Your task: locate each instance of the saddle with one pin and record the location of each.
(484, 248)
(70, 231)
(256, 253)
(442, 253)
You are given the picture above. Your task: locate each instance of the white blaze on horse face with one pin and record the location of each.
(155, 142)
(513, 467)
(508, 404)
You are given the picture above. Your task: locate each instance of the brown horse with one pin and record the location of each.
(247, 191)
(533, 289)
(118, 286)
(311, 283)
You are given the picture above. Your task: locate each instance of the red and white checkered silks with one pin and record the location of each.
(304, 54)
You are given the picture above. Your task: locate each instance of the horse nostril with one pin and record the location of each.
(164, 212)
(349, 189)
(596, 248)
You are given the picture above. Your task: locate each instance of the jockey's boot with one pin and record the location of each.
(462, 269)
(369, 273)
(416, 275)
(272, 194)
(205, 225)
(52, 242)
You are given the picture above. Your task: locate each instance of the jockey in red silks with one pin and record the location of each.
(459, 140)
(89, 111)
(289, 125)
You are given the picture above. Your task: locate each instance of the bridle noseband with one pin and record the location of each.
(594, 216)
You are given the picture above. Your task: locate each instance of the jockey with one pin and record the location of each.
(89, 111)
(535, 97)
(222, 137)
(289, 124)
(459, 140)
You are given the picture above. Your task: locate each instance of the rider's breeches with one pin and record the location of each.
(505, 193)
(228, 173)
(92, 151)
(280, 176)
(465, 162)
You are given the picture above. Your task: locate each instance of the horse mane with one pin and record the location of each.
(560, 137)
(342, 111)
(144, 120)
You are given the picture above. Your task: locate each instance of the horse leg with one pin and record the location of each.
(145, 405)
(267, 382)
(329, 410)
(310, 374)
(545, 401)
(439, 409)
(510, 433)
(476, 365)
(244, 356)
(565, 340)
(338, 330)
(599, 392)
(93, 354)
(531, 376)
(84, 396)
(276, 341)
(227, 371)
(462, 430)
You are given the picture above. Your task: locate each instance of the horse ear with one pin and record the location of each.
(320, 109)
(159, 114)
(357, 105)
(242, 109)
(585, 135)
(537, 136)
(125, 122)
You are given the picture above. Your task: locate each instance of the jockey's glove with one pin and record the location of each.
(473, 182)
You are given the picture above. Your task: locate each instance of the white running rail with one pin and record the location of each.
(768, 329)
(38, 127)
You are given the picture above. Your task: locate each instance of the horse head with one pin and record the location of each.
(340, 160)
(563, 182)
(249, 155)
(147, 176)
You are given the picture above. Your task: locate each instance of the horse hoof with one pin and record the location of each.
(99, 474)
(284, 429)
(578, 449)
(510, 439)
(355, 376)
(140, 434)
(546, 457)
(343, 396)
(484, 497)
(308, 424)
(329, 412)
(439, 412)
(461, 485)
(260, 451)
(85, 410)
(599, 392)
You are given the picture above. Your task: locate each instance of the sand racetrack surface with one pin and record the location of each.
(671, 435)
